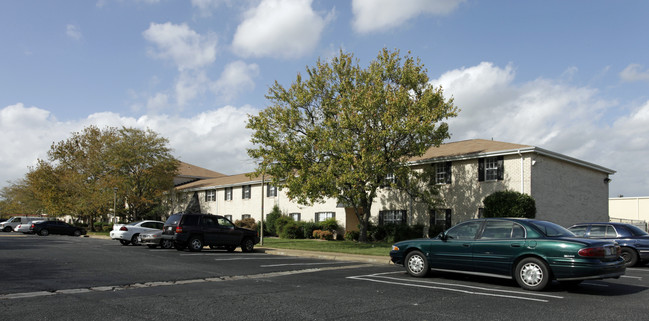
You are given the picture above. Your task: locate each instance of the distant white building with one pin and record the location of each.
(632, 209)
(566, 190)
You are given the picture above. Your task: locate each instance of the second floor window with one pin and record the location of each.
(491, 168)
(210, 195)
(228, 193)
(443, 173)
(245, 192)
(271, 191)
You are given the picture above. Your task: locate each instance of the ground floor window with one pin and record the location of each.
(228, 216)
(295, 216)
(245, 216)
(321, 216)
(440, 219)
(392, 217)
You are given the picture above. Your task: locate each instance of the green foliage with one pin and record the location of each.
(292, 230)
(270, 222)
(509, 204)
(352, 235)
(330, 224)
(341, 130)
(395, 232)
(281, 222)
(248, 223)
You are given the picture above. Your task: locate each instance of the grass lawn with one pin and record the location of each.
(350, 247)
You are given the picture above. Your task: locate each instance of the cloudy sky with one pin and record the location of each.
(568, 76)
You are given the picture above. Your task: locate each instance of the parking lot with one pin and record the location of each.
(60, 277)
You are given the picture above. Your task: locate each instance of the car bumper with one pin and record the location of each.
(588, 269)
(146, 240)
(118, 235)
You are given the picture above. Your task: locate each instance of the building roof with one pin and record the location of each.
(190, 173)
(221, 182)
(477, 148)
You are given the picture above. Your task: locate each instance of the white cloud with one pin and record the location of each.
(73, 32)
(206, 6)
(215, 139)
(190, 85)
(236, 78)
(279, 28)
(184, 46)
(634, 72)
(380, 15)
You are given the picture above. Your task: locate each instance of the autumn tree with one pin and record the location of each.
(18, 198)
(342, 129)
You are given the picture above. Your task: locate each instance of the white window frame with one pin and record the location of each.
(491, 169)
(322, 216)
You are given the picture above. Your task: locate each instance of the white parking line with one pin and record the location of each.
(529, 296)
(298, 264)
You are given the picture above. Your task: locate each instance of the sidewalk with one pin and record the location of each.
(371, 259)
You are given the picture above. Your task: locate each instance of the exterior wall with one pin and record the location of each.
(629, 208)
(567, 194)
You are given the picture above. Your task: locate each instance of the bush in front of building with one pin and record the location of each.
(292, 230)
(323, 235)
(249, 223)
(270, 226)
(509, 204)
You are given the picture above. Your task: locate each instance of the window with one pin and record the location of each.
(443, 173)
(245, 216)
(294, 216)
(224, 222)
(392, 217)
(441, 219)
(271, 190)
(209, 221)
(464, 231)
(245, 192)
(228, 193)
(228, 216)
(602, 231)
(210, 195)
(490, 169)
(321, 216)
(502, 230)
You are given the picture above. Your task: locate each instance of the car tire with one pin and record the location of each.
(416, 264)
(134, 239)
(532, 274)
(44, 232)
(195, 244)
(230, 248)
(166, 244)
(77, 233)
(125, 242)
(630, 256)
(247, 245)
(7, 229)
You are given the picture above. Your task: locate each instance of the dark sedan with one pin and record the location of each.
(56, 227)
(633, 240)
(530, 251)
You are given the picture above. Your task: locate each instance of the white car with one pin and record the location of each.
(25, 228)
(130, 233)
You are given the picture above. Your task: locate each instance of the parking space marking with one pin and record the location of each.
(466, 289)
(305, 263)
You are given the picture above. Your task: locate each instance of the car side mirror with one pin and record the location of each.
(442, 236)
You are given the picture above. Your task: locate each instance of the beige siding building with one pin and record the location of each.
(566, 190)
(632, 209)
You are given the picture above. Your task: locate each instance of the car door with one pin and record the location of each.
(228, 234)
(454, 251)
(210, 229)
(498, 245)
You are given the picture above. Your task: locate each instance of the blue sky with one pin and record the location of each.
(568, 76)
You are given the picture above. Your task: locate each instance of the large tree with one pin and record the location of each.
(341, 131)
(83, 172)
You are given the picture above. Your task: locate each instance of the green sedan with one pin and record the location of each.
(532, 252)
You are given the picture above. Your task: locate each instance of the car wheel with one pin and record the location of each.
(166, 244)
(630, 256)
(152, 246)
(532, 274)
(8, 229)
(416, 264)
(248, 245)
(77, 233)
(195, 244)
(44, 232)
(134, 239)
(230, 248)
(125, 242)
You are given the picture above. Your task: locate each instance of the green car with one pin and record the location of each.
(530, 251)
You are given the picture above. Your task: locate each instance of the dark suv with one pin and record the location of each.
(194, 231)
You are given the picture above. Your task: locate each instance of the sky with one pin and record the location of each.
(567, 76)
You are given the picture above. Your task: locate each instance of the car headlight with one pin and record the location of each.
(395, 248)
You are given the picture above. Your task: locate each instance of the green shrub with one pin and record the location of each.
(249, 223)
(323, 235)
(308, 228)
(107, 228)
(352, 235)
(292, 230)
(329, 224)
(281, 222)
(270, 222)
(509, 204)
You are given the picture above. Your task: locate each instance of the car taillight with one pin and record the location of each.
(123, 228)
(179, 229)
(600, 251)
(32, 226)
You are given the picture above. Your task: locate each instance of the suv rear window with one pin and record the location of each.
(173, 219)
(191, 220)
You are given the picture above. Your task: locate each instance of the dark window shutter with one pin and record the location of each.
(501, 168)
(381, 214)
(403, 217)
(448, 172)
(480, 169)
(448, 218)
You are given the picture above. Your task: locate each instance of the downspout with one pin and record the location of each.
(522, 172)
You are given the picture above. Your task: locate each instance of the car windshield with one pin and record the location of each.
(552, 230)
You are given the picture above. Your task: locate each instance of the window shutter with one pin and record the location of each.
(448, 172)
(403, 217)
(501, 168)
(381, 214)
(481, 169)
(448, 217)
